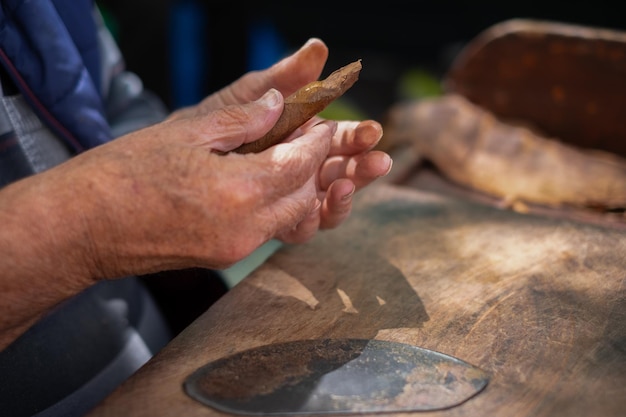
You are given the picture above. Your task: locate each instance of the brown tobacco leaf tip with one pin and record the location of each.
(304, 104)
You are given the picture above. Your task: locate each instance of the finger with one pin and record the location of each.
(292, 164)
(354, 137)
(301, 130)
(373, 165)
(360, 169)
(302, 67)
(337, 203)
(287, 75)
(305, 230)
(231, 126)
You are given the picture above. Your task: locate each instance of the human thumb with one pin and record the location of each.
(243, 123)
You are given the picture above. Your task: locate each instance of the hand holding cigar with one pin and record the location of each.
(304, 104)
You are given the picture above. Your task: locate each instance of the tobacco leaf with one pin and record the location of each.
(567, 80)
(472, 147)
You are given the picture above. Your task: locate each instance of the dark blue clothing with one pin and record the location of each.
(49, 48)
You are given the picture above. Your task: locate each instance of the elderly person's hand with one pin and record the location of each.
(351, 162)
(162, 197)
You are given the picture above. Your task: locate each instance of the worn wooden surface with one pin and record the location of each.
(539, 303)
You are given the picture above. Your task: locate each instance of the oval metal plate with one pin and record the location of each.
(335, 376)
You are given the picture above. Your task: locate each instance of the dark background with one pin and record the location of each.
(185, 49)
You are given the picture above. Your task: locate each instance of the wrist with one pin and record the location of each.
(41, 236)
(42, 260)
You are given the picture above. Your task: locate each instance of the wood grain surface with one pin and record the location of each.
(538, 302)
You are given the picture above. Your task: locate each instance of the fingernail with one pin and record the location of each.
(349, 195)
(270, 98)
(390, 162)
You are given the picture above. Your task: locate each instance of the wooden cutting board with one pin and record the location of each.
(537, 302)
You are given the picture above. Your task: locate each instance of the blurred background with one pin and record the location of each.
(186, 49)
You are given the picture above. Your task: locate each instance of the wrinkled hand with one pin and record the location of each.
(163, 198)
(351, 164)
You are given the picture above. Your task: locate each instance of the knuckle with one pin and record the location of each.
(234, 118)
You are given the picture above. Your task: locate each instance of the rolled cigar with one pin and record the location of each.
(304, 104)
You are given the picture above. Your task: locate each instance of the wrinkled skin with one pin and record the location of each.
(163, 198)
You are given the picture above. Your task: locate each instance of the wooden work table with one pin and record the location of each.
(537, 302)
